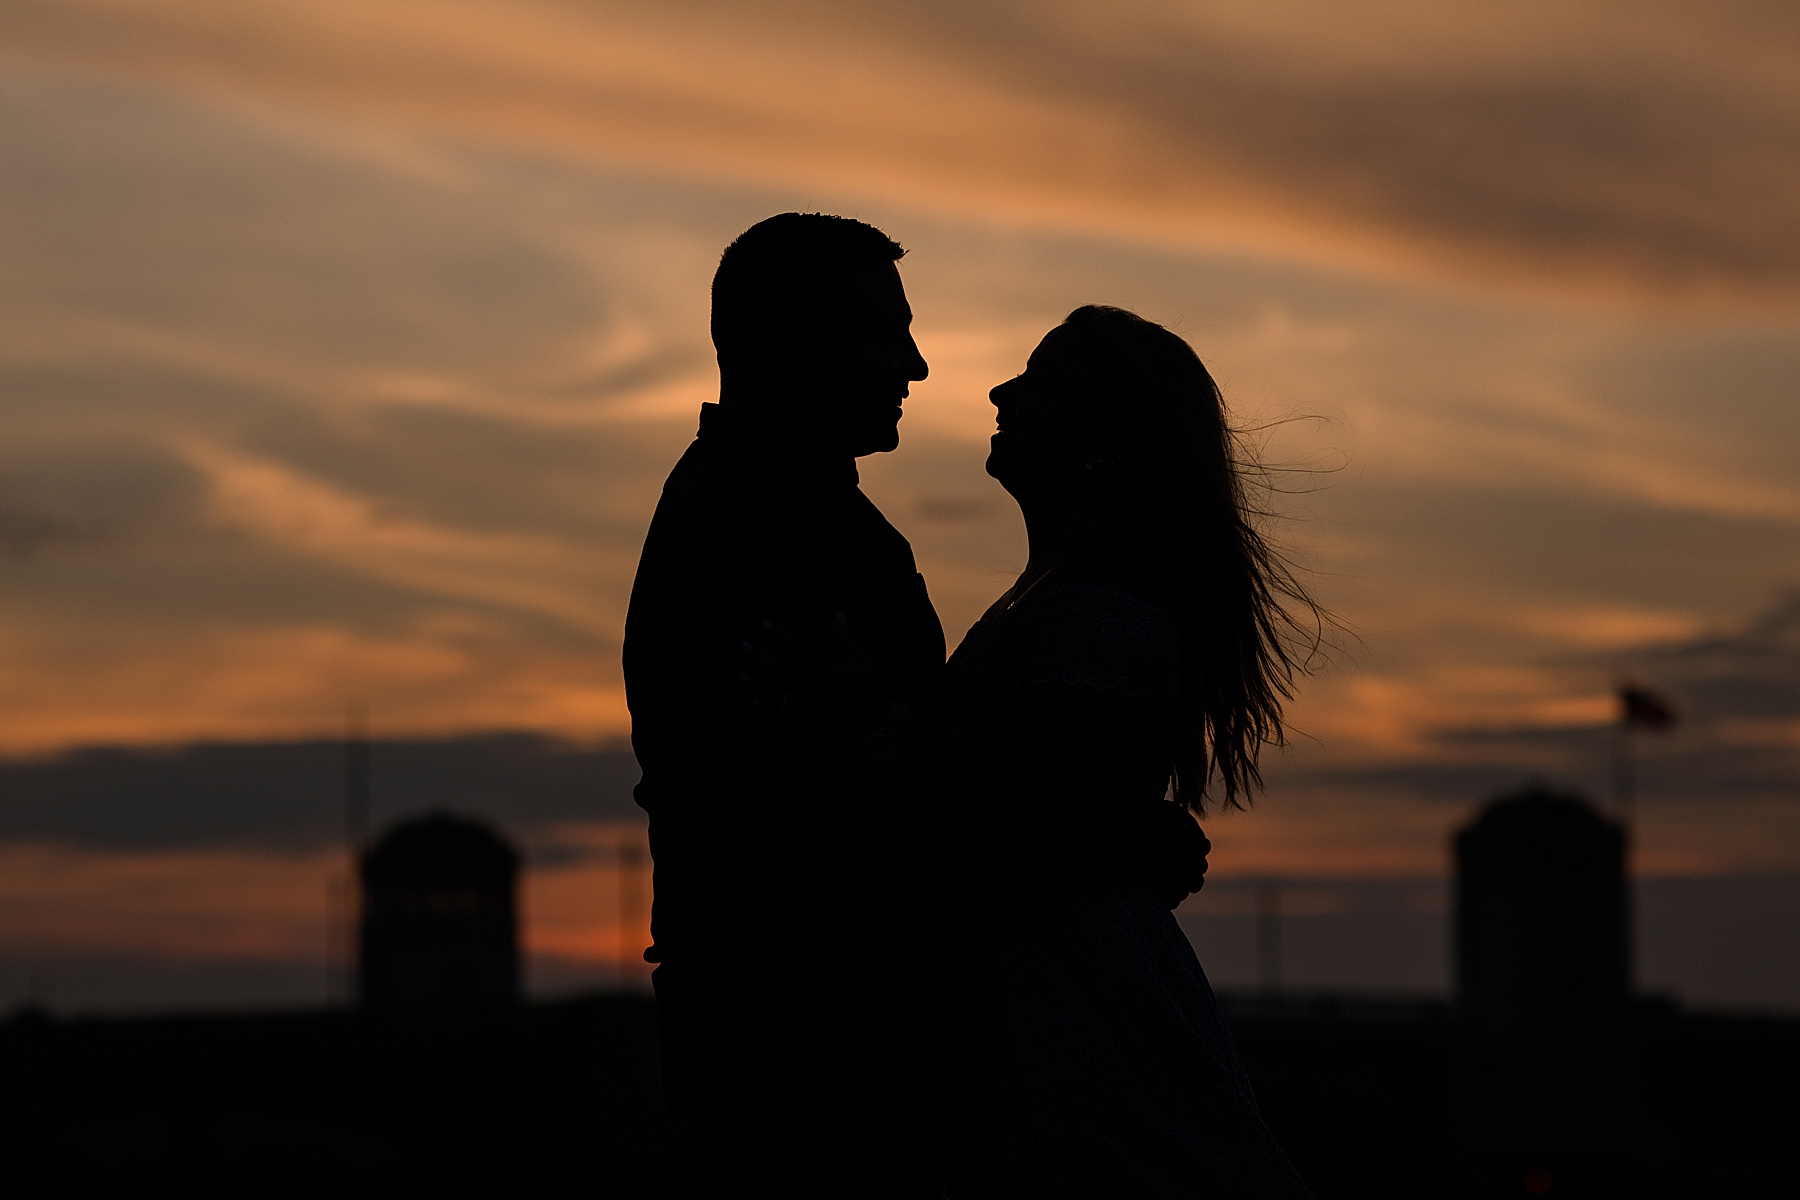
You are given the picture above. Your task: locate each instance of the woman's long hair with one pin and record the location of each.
(1178, 477)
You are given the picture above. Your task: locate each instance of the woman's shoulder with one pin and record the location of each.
(1115, 587)
(1078, 601)
(1116, 575)
(1094, 630)
(1091, 650)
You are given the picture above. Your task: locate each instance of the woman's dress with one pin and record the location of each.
(1096, 1061)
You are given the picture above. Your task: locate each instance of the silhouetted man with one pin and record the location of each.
(800, 921)
(802, 1021)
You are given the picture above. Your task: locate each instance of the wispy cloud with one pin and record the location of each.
(525, 572)
(379, 415)
(26, 532)
(1718, 793)
(1637, 149)
(365, 334)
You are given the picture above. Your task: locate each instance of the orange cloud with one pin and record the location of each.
(1641, 149)
(526, 572)
(75, 682)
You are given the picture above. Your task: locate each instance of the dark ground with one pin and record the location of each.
(563, 1100)
(1364, 1098)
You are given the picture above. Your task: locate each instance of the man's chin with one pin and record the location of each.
(885, 446)
(880, 440)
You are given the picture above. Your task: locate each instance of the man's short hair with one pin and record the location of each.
(788, 264)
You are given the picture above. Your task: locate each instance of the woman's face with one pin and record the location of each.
(1043, 441)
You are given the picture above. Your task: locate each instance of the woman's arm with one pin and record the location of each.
(1039, 808)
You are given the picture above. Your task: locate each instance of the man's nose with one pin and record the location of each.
(912, 362)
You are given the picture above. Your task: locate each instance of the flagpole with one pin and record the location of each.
(1639, 708)
(1624, 774)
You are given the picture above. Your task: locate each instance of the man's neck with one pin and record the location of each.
(761, 426)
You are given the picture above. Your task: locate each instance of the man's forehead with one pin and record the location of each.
(875, 290)
(881, 280)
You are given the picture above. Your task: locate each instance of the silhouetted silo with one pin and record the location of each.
(1544, 972)
(440, 918)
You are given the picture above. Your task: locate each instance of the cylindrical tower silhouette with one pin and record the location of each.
(440, 916)
(1544, 972)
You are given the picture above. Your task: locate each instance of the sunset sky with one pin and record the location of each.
(345, 346)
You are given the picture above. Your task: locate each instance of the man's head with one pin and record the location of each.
(814, 332)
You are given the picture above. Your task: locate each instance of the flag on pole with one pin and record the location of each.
(1641, 708)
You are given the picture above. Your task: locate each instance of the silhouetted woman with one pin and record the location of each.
(1141, 655)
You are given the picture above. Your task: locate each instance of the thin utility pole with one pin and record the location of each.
(356, 778)
(1624, 774)
(337, 956)
(356, 831)
(1640, 707)
(1268, 936)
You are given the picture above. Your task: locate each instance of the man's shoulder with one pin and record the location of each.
(723, 484)
(720, 525)
(733, 497)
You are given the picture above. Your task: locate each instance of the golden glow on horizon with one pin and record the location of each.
(233, 905)
(185, 905)
(588, 913)
(238, 905)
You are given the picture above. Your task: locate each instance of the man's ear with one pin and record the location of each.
(767, 356)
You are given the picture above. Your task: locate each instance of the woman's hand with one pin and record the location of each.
(840, 697)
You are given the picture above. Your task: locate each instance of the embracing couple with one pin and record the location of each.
(912, 917)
